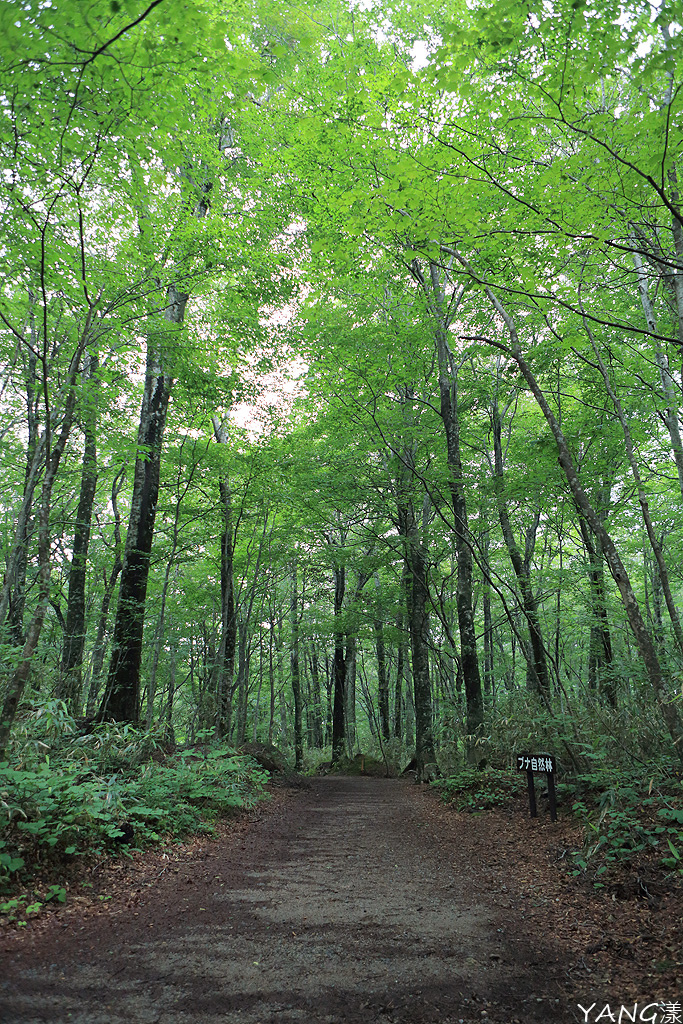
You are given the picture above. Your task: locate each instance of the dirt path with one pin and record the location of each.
(344, 903)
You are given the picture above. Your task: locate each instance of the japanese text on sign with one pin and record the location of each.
(537, 763)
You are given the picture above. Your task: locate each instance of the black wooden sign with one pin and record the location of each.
(544, 763)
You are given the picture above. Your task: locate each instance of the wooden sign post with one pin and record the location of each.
(543, 763)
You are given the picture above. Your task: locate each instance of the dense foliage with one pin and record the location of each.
(105, 793)
(341, 386)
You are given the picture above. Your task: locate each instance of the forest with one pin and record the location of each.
(341, 367)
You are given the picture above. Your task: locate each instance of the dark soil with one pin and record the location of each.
(357, 900)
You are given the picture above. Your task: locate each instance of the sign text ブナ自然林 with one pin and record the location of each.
(535, 763)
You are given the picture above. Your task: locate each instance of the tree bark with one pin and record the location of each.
(639, 629)
(339, 708)
(671, 415)
(398, 690)
(243, 659)
(416, 554)
(329, 692)
(317, 708)
(538, 664)
(448, 388)
(14, 588)
(224, 670)
(642, 495)
(181, 490)
(107, 594)
(413, 534)
(382, 680)
(400, 655)
(53, 456)
(419, 641)
(121, 699)
(489, 677)
(296, 680)
(600, 668)
(281, 676)
(71, 669)
(271, 675)
(350, 669)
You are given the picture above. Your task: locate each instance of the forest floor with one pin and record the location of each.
(356, 900)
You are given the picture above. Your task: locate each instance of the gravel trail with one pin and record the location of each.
(341, 903)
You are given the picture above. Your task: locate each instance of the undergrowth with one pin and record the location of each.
(616, 775)
(106, 793)
(474, 789)
(629, 821)
(624, 789)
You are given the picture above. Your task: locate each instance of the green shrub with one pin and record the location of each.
(63, 808)
(626, 820)
(474, 789)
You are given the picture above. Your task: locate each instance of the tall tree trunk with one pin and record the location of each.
(398, 691)
(416, 553)
(642, 495)
(448, 388)
(419, 644)
(538, 664)
(671, 414)
(382, 679)
(657, 593)
(329, 690)
(14, 589)
(181, 490)
(281, 676)
(53, 456)
(409, 707)
(271, 676)
(601, 671)
(257, 705)
(339, 704)
(307, 697)
(489, 678)
(317, 708)
(121, 699)
(242, 677)
(107, 594)
(400, 656)
(224, 670)
(350, 669)
(71, 669)
(646, 646)
(159, 640)
(296, 680)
